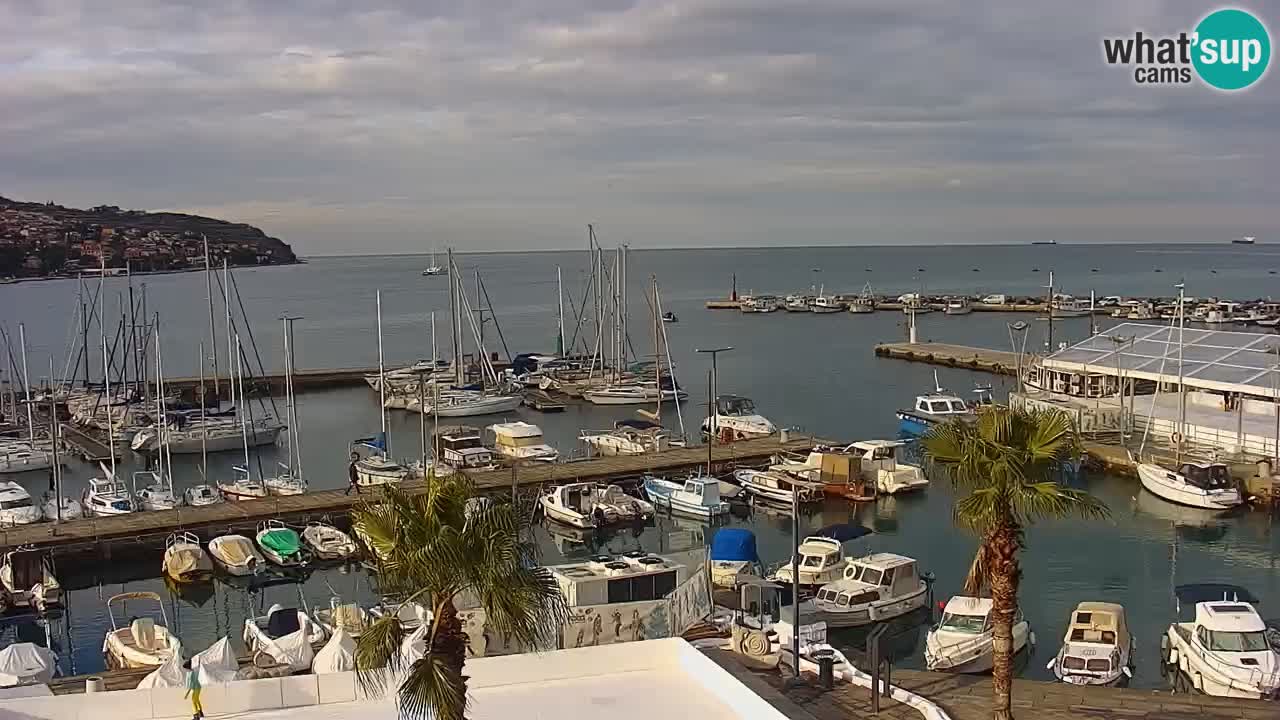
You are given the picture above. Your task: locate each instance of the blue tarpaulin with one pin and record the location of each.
(377, 442)
(734, 545)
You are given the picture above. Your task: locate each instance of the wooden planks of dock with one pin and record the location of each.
(1000, 362)
(142, 528)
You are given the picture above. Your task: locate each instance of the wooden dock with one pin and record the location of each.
(1000, 362)
(146, 530)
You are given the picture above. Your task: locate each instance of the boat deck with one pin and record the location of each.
(147, 529)
(1000, 362)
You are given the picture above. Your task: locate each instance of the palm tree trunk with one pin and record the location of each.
(450, 643)
(1004, 574)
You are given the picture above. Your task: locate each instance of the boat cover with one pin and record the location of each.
(281, 540)
(734, 545)
(337, 655)
(637, 424)
(170, 673)
(843, 532)
(186, 559)
(414, 647)
(26, 664)
(217, 663)
(28, 569)
(233, 551)
(282, 621)
(293, 649)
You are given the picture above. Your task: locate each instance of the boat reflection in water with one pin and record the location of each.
(1195, 524)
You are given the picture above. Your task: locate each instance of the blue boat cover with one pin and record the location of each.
(843, 532)
(734, 545)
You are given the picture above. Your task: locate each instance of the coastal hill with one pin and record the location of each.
(45, 239)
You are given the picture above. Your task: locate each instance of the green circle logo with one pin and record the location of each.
(1232, 49)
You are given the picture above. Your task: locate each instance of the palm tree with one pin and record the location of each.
(430, 548)
(1006, 462)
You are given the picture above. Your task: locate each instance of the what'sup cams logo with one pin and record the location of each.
(1228, 50)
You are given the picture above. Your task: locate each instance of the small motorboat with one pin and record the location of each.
(696, 496)
(669, 317)
(931, 409)
(1097, 649)
(242, 487)
(411, 615)
(24, 664)
(347, 617)
(16, 507)
(280, 544)
(880, 467)
(736, 419)
(875, 588)
(28, 580)
(328, 542)
(143, 643)
(278, 621)
(1195, 484)
(777, 486)
(962, 642)
(107, 496)
(154, 491)
(201, 495)
(236, 555)
(822, 558)
(957, 306)
(591, 505)
(63, 508)
(184, 560)
(1223, 649)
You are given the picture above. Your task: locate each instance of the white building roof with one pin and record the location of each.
(1225, 361)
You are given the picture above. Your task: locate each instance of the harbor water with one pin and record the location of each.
(816, 373)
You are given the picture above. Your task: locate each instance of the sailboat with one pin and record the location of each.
(18, 457)
(289, 481)
(376, 467)
(434, 269)
(154, 488)
(242, 485)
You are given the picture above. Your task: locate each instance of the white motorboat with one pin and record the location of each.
(736, 419)
(340, 616)
(184, 560)
(1223, 650)
(70, 509)
(459, 447)
(1069, 307)
(236, 555)
(16, 507)
(1098, 647)
(107, 496)
(778, 486)
(154, 491)
(864, 303)
(591, 505)
(520, 440)
(373, 466)
(761, 304)
(957, 306)
(875, 588)
(796, 303)
(278, 621)
(280, 544)
(328, 542)
(879, 466)
(143, 643)
(914, 304)
(201, 495)
(28, 580)
(20, 457)
(1195, 484)
(696, 496)
(962, 641)
(242, 486)
(822, 558)
(823, 303)
(931, 409)
(26, 664)
(628, 437)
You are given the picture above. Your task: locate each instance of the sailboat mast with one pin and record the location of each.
(666, 347)
(204, 428)
(84, 331)
(434, 356)
(111, 427)
(657, 347)
(1182, 390)
(382, 383)
(57, 464)
(26, 383)
(1049, 309)
(232, 347)
(244, 430)
(455, 325)
(560, 348)
(213, 334)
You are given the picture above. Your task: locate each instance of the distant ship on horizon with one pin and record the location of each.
(1246, 240)
(1044, 242)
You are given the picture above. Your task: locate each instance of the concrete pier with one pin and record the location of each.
(1000, 362)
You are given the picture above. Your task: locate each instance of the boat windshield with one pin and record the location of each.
(973, 624)
(736, 406)
(1237, 641)
(862, 573)
(817, 561)
(15, 504)
(1207, 478)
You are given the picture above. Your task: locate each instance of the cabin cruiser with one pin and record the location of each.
(736, 419)
(184, 560)
(242, 486)
(107, 496)
(628, 437)
(236, 555)
(1223, 649)
(957, 306)
(695, 496)
(16, 507)
(778, 486)
(154, 491)
(875, 588)
(28, 580)
(460, 448)
(19, 457)
(822, 558)
(931, 409)
(522, 441)
(592, 505)
(733, 557)
(961, 642)
(328, 542)
(880, 467)
(823, 303)
(1097, 649)
(1195, 484)
(142, 643)
(280, 544)
(201, 495)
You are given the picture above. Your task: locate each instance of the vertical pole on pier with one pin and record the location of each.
(1049, 311)
(84, 332)
(795, 579)
(422, 415)
(711, 416)
(53, 428)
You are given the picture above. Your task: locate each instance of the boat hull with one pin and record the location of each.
(874, 613)
(1165, 485)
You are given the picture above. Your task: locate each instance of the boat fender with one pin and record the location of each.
(1176, 438)
(1173, 657)
(1031, 638)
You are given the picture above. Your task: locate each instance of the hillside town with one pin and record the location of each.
(47, 240)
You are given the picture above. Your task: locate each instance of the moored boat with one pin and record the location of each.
(696, 496)
(1195, 484)
(236, 555)
(875, 588)
(280, 544)
(1097, 648)
(184, 560)
(27, 578)
(16, 507)
(1222, 650)
(143, 642)
(961, 642)
(328, 542)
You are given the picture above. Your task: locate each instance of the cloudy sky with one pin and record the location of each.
(350, 127)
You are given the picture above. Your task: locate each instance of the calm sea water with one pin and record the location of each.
(806, 371)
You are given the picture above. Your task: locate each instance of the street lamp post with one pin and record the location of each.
(714, 352)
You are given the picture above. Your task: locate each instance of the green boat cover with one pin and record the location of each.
(281, 540)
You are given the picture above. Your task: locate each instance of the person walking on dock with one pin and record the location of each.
(353, 475)
(193, 689)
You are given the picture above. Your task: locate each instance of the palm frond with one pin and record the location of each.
(378, 655)
(432, 689)
(978, 576)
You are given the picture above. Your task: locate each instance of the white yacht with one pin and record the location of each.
(1098, 647)
(520, 440)
(822, 558)
(736, 419)
(210, 435)
(107, 496)
(962, 642)
(628, 437)
(284, 482)
(465, 403)
(875, 588)
(640, 392)
(880, 467)
(957, 306)
(1195, 484)
(696, 496)
(778, 486)
(1223, 650)
(592, 505)
(16, 507)
(154, 491)
(19, 457)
